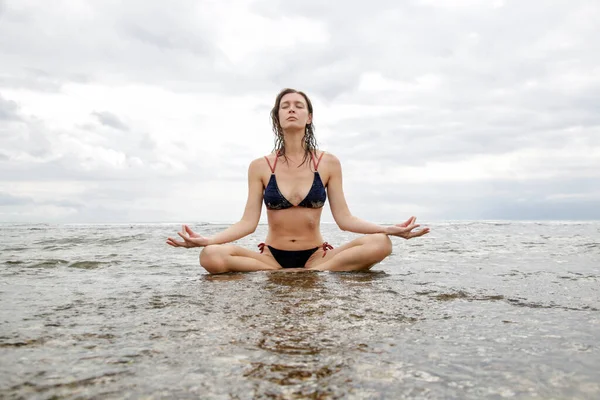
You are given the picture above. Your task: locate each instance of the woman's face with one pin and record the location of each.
(293, 112)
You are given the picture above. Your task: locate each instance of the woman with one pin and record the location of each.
(294, 182)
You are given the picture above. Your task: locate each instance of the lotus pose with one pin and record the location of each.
(294, 182)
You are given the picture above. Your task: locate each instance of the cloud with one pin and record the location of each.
(111, 120)
(455, 109)
(6, 199)
(8, 110)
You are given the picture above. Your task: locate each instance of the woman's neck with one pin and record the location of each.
(294, 147)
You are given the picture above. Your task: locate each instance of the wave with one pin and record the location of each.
(123, 239)
(460, 294)
(54, 263)
(86, 264)
(51, 263)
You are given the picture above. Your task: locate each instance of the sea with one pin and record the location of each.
(474, 310)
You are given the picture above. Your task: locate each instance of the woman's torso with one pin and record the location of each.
(300, 193)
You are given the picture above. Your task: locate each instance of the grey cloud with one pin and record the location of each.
(9, 110)
(169, 40)
(51, 165)
(7, 199)
(34, 152)
(318, 70)
(368, 139)
(147, 142)
(69, 168)
(495, 199)
(143, 42)
(38, 80)
(179, 26)
(27, 136)
(515, 77)
(462, 47)
(315, 9)
(64, 203)
(111, 201)
(109, 119)
(557, 210)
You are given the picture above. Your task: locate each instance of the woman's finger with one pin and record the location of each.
(407, 222)
(184, 237)
(174, 242)
(420, 233)
(401, 230)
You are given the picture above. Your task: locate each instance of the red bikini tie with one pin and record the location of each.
(261, 247)
(326, 246)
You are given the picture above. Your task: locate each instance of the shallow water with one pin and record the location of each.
(473, 310)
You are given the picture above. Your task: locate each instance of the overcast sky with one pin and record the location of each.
(150, 111)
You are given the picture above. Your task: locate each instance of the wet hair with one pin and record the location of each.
(310, 143)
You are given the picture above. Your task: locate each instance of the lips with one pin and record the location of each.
(291, 118)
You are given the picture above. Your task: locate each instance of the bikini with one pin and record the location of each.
(274, 200)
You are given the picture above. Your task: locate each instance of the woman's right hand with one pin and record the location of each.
(190, 239)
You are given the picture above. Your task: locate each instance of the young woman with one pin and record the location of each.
(294, 182)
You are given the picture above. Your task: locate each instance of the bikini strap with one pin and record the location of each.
(316, 164)
(274, 164)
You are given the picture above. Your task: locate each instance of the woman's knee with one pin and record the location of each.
(381, 244)
(212, 258)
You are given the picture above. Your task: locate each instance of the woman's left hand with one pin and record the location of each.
(405, 229)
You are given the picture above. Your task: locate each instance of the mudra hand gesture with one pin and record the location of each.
(405, 229)
(190, 239)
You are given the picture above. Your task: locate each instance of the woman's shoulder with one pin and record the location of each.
(328, 158)
(262, 162)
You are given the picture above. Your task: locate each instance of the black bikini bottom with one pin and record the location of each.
(292, 258)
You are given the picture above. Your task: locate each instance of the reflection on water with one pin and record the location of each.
(361, 277)
(301, 351)
(295, 352)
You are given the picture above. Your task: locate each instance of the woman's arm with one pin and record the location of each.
(339, 208)
(244, 227)
(348, 222)
(249, 220)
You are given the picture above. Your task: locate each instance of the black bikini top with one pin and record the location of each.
(315, 198)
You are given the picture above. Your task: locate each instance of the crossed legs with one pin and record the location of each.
(221, 258)
(358, 255)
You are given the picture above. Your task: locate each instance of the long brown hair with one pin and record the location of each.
(310, 143)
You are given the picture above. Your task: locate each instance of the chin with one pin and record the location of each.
(293, 125)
